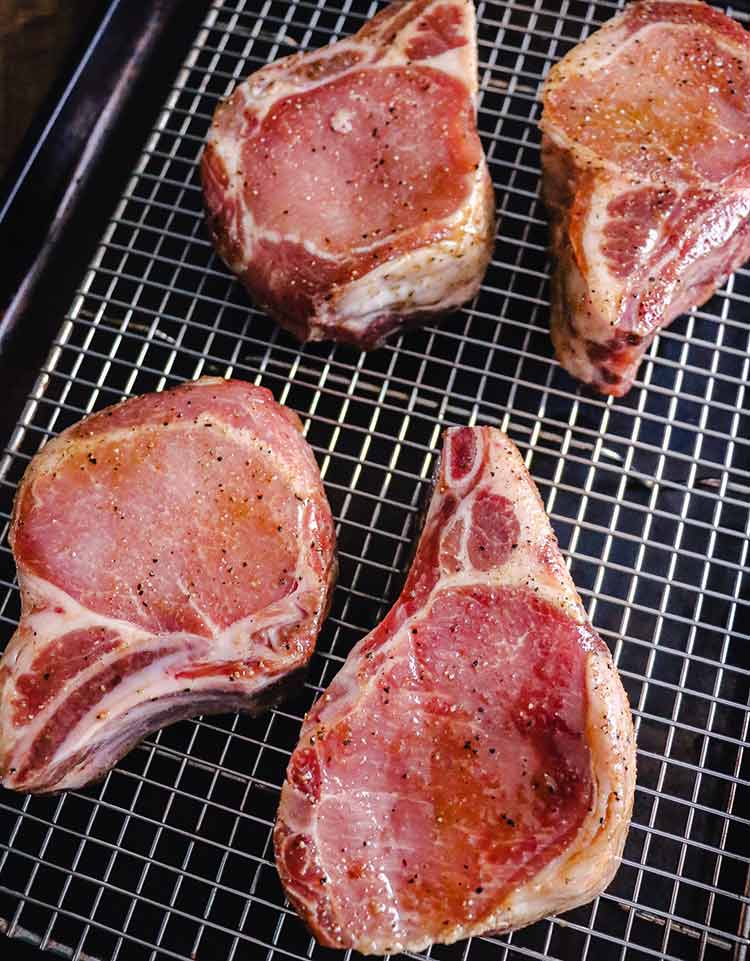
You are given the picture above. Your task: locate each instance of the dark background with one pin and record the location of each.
(15, 950)
(37, 39)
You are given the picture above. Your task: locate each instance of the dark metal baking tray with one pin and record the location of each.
(170, 856)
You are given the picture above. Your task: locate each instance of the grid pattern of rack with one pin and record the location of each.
(170, 856)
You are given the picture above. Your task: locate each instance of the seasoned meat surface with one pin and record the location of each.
(646, 155)
(471, 767)
(175, 556)
(347, 186)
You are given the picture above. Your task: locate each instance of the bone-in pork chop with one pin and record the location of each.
(646, 154)
(471, 767)
(175, 555)
(347, 187)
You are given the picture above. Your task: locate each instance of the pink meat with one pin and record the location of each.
(471, 766)
(175, 555)
(646, 152)
(347, 187)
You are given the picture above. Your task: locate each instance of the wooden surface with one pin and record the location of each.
(36, 41)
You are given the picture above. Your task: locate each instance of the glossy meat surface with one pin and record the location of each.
(347, 187)
(471, 767)
(646, 153)
(175, 556)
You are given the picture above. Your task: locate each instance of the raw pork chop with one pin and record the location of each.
(471, 767)
(646, 154)
(347, 187)
(175, 556)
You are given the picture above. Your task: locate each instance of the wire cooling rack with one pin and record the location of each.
(170, 857)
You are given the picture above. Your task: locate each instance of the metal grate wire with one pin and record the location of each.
(170, 857)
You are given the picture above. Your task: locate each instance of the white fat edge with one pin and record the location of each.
(604, 290)
(154, 681)
(441, 286)
(265, 88)
(585, 867)
(512, 480)
(46, 623)
(476, 216)
(602, 287)
(605, 45)
(467, 479)
(250, 231)
(139, 693)
(238, 640)
(515, 573)
(96, 763)
(109, 747)
(24, 735)
(276, 237)
(368, 792)
(458, 62)
(347, 678)
(241, 436)
(229, 150)
(440, 276)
